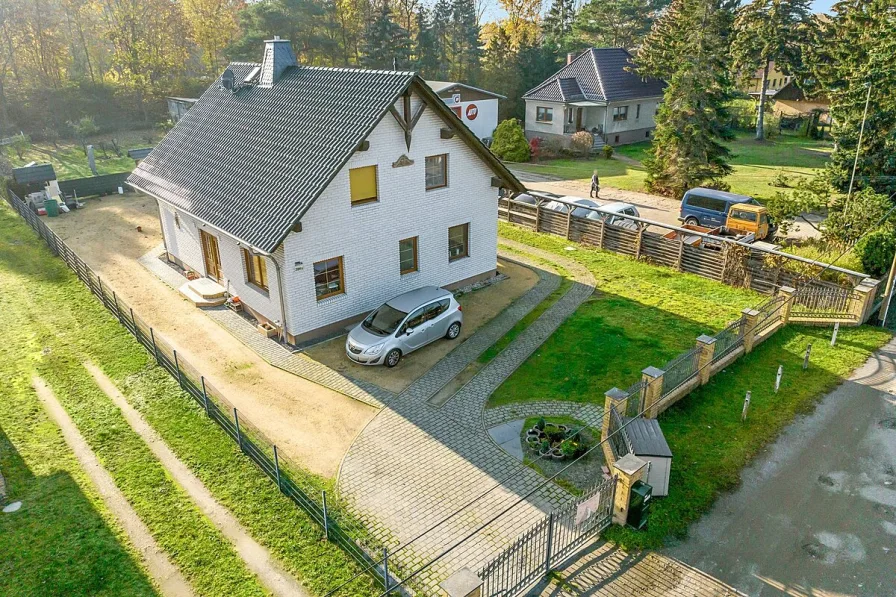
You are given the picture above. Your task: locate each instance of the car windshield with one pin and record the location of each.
(384, 320)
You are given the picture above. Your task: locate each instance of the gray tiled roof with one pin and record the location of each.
(601, 76)
(251, 163)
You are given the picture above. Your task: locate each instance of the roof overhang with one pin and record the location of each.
(587, 103)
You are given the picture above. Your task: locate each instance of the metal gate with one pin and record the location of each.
(562, 532)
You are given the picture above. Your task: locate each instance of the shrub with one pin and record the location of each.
(510, 142)
(876, 252)
(781, 179)
(608, 151)
(551, 148)
(582, 142)
(535, 148)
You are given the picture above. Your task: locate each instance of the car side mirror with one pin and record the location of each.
(409, 331)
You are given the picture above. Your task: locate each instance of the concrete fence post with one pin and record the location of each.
(748, 321)
(463, 583)
(707, 346)
(629, 469)
(787, 292)
(652, 391)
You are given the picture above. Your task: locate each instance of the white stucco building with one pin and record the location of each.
(595, 92)
(315, 194)
(476, 108)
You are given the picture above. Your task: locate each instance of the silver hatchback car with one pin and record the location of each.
(404, 324)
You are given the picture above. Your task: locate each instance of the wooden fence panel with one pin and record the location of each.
(620, 240)
(552, 222)
(704, 262)
(659, 250)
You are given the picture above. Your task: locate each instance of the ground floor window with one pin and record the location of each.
(407, 255)
(458, 242)
(329, 279)
(256, 269)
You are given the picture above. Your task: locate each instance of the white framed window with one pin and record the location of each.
(620, 113)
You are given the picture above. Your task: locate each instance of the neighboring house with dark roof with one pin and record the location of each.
(315, 194)
(595, 92)
(477, 108)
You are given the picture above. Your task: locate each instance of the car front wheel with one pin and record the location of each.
(453, 331)
(392, 357)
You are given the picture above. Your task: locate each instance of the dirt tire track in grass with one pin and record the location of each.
(257, 558)
(169, 579)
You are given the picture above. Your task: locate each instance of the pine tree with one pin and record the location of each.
(426, 57)
(688, 46)
(465, 41)
(387, 44)
(441, 33)
(767, 31)
(616, 23)
(557, 25)
(855, 47)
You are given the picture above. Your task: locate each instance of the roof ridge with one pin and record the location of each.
(600, 80)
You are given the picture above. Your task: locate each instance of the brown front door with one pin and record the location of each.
(578, 119)
(211, 255)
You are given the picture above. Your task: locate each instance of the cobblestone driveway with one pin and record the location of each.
(416, 464)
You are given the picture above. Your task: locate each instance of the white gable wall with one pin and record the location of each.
(366, 236)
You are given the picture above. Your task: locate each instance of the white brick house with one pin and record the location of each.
(316, 194)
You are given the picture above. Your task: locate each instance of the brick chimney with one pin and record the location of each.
(570, 56)
(278, 56)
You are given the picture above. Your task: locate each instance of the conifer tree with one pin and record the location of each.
(387, 44)
(426, 57)
(557, 25)
(688, 47)
(855, 48)
(767, 31)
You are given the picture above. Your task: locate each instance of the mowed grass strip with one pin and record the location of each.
(40, 286)
(64, 541)
(641, 315)
(202, 553)
(710, 444)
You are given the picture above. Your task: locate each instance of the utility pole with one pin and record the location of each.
(855, 163)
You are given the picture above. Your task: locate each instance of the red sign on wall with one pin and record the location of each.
(472, 112)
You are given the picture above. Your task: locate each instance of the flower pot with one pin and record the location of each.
(533, 441)
(267, 329)
(556, 454)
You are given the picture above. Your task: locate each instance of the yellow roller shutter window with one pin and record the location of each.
(363, 184)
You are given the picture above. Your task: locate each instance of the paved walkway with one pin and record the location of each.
(257, 558)
(164, 573)
(590, 414)
(816, 513)
(607, 571)
(416, 464)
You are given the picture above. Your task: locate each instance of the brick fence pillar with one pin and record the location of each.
(628, 470)
(748, 328)
(862, 305)
(707, 346)
(787, 292)
(652, 391)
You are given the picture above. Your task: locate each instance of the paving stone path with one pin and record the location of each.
(590, 414)
(416, 464)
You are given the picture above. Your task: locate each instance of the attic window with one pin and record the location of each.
(363, 184)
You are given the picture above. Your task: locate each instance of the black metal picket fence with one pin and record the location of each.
(336, 525)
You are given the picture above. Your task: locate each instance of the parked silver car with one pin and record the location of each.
(402, 325)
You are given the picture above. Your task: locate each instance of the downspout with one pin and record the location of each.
(280, 294)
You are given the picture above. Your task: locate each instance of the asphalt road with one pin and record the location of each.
(816, 514)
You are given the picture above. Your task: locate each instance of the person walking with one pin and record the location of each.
(595, 185)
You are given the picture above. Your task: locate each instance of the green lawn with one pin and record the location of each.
(710, 444)
(63, 541)
(756, 164)
(644, 315)
(52, 323)
(69, 159)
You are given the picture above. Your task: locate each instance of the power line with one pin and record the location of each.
(600, 443)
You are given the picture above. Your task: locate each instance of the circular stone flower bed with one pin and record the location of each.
(556, 440)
